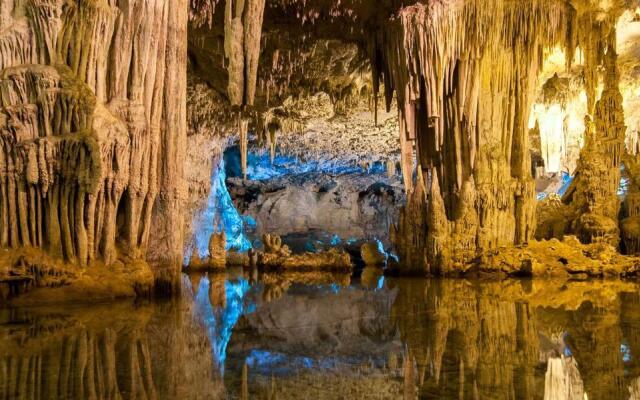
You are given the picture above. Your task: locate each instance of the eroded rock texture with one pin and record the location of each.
(464, 76)
(94, 104)
(464, 96)
(351, 205)
(92, 121)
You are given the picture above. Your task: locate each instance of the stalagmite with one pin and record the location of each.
(594, 199)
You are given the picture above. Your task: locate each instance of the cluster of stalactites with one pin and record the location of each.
(464, 75)
(242, 36)
(80, 121)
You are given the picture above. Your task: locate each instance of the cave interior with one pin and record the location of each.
(446, 191)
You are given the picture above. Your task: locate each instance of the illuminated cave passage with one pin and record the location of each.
(313, 205)
(452, 134)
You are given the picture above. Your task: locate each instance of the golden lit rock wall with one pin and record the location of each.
(93, 128)
(464, 76)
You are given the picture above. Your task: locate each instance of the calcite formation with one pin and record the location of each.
(479, 195)
(217, 258)
(92, 120)
(356, 205)
(594, 195)
(450, 93)
(373, 255)
(278, 256)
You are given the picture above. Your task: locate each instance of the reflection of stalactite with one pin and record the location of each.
(562, 380)
(409, 374)
(485, 340)
(88, 364)
(217, 290)
(117, 351)
(595, 343)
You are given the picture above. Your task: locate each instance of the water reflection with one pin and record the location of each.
(296, 336)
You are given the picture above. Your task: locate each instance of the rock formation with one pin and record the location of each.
(449, 92)
(97, 168)
(351, 204)
(92, 117)
(598, 174)
(373, 255)
(278, 256)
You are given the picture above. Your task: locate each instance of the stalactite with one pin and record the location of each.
(272, 137)
(242, 38)
(244, 382)
(243, 129)
(82, 88)
(464, 75)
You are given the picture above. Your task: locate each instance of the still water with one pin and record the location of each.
(318, 336)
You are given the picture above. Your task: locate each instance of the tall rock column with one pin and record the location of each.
(464, 74)
(168, 218)
(594, 199)
(92, 129)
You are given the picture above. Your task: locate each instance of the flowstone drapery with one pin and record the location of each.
(92, 128)
(595, 198)
(464, 76)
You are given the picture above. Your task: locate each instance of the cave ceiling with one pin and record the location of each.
(316, 50)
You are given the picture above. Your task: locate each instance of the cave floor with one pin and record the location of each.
(327, 336)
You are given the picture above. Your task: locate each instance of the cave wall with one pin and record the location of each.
(464, 106)
(464, 76)
(355, 205)
(93, 129)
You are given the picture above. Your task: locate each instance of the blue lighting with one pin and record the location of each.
(335, 289)
(221, 321)
(625, 350)
(566, 350)
(566, 182)
(220, 215)
(623, 187)
(335, 240)
(260, 167)
(567, 179)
